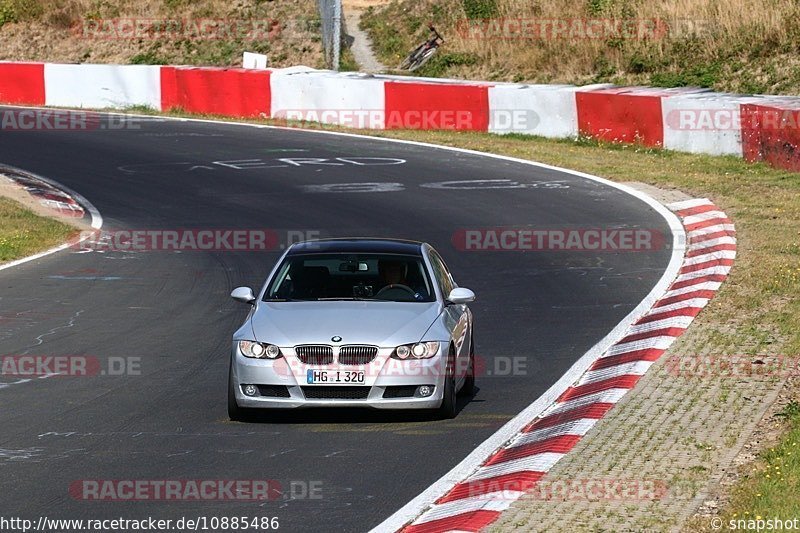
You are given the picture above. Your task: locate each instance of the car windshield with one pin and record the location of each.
(383, 277)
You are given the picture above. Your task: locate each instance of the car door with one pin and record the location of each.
(458, 317)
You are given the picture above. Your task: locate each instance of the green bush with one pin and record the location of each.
(148, 57)
(438, 64)
(702, 75)
(7, 13)
(599, 7)
(480, 9)
(639, 63)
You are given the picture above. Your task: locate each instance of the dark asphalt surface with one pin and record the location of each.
(172, 311)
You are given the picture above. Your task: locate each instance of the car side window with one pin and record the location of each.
(441, 273)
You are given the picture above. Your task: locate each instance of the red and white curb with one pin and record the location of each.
(521, 462)
(57, 196)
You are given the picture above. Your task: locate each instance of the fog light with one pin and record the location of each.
(425, 390)
(250, 390)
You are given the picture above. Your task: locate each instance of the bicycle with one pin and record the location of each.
(423, 52)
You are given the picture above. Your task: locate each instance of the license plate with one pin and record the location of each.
(315, 377)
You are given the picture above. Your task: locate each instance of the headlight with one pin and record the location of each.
(402, 352)
(420, 350)
(259, 350)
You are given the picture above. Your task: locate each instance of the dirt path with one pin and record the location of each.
(361, 47)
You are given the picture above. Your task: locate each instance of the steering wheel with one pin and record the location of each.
(396, 286)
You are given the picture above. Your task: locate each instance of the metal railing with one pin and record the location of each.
(330, 12)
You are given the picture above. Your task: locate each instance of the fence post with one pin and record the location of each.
(330, 12)
(337, 32)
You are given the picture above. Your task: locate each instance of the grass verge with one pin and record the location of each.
(23, 233)
(778, 475)
(768, 489)
(703, 42)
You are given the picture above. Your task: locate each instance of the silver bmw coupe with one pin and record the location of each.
(354, 323)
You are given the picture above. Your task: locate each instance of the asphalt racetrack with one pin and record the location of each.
(167, 316)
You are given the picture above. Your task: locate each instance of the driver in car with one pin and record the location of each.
(395, 273)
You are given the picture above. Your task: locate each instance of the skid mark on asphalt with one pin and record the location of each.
(86, 278)
(237, 452)
(628, 273)
(278, 454)
(4, 385)
(40, 339)
(19, 455)
(12, 323)
(181, 135)
(589, 306)
(137, 434)
(182, 452)
(10, 383)
(64, 434)
(335, 497)
(38, 455)
(326, 456)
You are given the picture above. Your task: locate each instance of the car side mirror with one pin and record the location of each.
(460, 295)
(244, 295)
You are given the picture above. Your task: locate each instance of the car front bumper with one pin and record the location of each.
(288, 374)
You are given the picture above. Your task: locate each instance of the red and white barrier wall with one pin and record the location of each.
(555, 102)
(101, 86)
(321, 96)
(22, 83)
(229, 92)
(758, 128)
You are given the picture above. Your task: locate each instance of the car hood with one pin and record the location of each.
(383, 324)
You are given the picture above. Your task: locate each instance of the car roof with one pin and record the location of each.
(357, 245)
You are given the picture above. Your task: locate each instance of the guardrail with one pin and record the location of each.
(757, 128)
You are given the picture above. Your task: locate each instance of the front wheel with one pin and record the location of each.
(448, 410)
(468, 388)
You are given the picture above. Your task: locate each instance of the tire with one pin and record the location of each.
(420, 61)
(468, 389)
(448, 409)
(405, 64)
(412, 57)
(236, 413)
